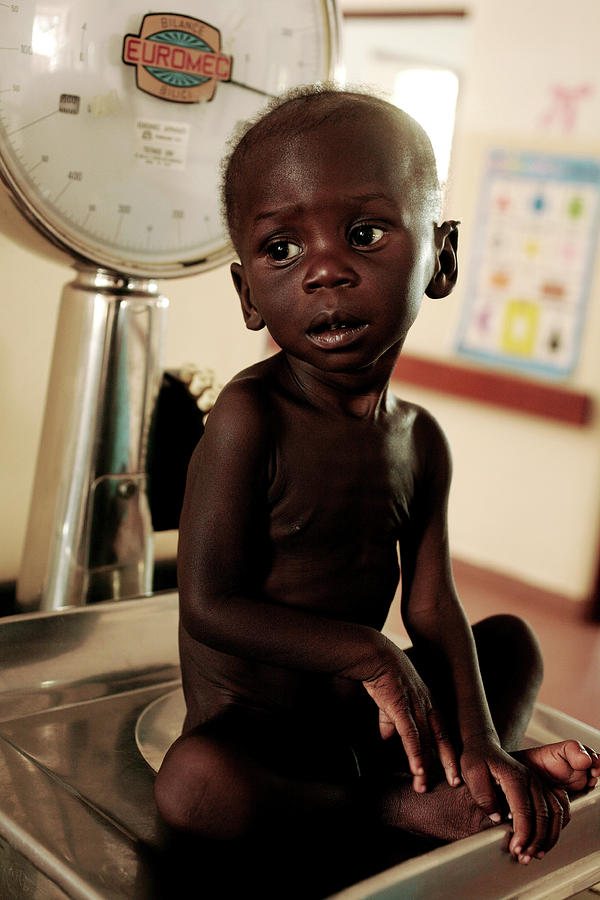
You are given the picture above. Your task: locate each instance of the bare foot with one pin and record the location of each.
(444, 812)
(567, 764)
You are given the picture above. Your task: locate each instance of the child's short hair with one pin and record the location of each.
(301, 109)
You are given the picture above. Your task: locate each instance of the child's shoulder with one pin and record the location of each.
(256, 385)
(426, 433)
(246, 401)
(415, 417)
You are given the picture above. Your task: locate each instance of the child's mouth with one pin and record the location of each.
(336, 333)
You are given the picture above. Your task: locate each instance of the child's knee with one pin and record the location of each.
(510, 638)
(179, 784)
(202, 789)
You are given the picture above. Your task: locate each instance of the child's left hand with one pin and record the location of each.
(538, 812)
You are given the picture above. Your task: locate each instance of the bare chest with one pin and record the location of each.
(333, 479)
(340, 499)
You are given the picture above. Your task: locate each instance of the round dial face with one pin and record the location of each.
(113, 119)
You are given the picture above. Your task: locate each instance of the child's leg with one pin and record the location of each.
(209, 787)
(511, 667)
(237, 777)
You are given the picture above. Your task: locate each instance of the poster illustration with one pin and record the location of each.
(535, 241)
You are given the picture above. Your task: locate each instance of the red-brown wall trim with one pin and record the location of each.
(496, 388)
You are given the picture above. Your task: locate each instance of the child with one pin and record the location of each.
(308, 479)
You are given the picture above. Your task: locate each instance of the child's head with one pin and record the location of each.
(305, 108)
(332, 202)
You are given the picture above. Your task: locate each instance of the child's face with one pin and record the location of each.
(337, 241)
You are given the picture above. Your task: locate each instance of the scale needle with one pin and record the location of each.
(35, 121)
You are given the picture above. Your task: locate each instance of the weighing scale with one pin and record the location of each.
(113, 122)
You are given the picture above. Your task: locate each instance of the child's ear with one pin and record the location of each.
(253, 319)
(446, 261)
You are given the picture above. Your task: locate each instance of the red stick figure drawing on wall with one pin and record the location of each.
(564, 106)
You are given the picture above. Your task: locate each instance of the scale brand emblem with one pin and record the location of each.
(177, 58)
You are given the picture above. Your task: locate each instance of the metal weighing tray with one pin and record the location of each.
(77, 817)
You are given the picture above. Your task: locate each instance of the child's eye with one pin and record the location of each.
(365, 235)
(283, 251)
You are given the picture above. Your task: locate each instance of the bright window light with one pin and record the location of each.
(429, 96)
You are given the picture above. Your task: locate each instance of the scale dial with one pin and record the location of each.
(114, 119)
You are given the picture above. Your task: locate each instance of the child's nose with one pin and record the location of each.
(329, 268)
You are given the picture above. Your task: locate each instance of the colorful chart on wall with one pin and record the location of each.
(536, 236)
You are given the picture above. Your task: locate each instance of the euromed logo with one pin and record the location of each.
(177, 58)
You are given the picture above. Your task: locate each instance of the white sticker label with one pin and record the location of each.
(161, 144)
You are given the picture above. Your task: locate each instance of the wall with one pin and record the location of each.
(525, 494)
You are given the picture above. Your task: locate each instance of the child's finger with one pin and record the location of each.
(445, 749)
(415, 755)
(548, 820)
(411, 741)
(520, 810)
(386, 726)
(563, 798)
(397, 709)
(482, 790)
(537, 818)
(419, 784)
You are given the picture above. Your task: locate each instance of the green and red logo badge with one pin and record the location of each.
(177, 58)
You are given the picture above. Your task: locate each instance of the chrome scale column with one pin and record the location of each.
(89, 535)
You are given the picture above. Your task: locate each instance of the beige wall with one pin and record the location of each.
(526, 491)
(525, 495)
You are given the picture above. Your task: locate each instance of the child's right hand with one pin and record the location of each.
(405, 707)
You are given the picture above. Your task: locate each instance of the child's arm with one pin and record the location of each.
(223, 551)
(440, 631)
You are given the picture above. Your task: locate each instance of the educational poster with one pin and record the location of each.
(534, 247)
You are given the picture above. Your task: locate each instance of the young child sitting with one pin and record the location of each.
(309, 479)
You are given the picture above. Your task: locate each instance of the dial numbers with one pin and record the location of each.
(120, 177)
